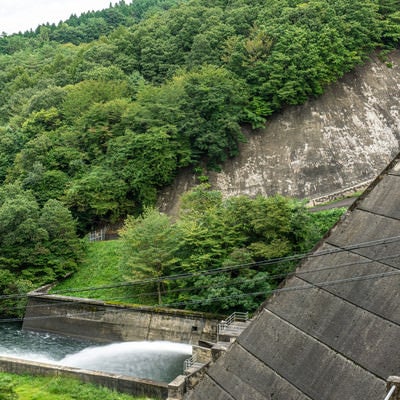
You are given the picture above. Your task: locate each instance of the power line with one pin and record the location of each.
(230, 297)
(232, 268)
(234, 282)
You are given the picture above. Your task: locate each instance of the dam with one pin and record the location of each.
(331, 331)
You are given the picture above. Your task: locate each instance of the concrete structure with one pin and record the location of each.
(104, 322)
(331, 144)
(332, 331)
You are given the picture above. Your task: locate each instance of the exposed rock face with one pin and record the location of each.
(346, 136)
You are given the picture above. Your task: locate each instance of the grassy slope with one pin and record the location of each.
(100, 267)
(45, 388)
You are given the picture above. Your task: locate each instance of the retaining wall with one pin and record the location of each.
(119, 383)
(103, 322)
(344, 137)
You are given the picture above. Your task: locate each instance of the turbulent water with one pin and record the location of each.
(159, 361)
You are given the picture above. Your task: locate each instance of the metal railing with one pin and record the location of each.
(390, 393)
(97, 235)
(235, 317)
(189, 362)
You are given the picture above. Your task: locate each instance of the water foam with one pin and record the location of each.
(158, 360)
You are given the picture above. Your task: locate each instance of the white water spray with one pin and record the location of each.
(159, 361)
(155, 360)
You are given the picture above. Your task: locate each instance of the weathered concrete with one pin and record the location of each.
(97, 320)
(302, 309)
(120, 383)
(331, 332)
(332, 143)
(370, 293)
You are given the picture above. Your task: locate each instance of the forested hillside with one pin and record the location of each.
(99, 112)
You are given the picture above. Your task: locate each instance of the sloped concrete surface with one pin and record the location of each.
(332, 331)
(332, 143)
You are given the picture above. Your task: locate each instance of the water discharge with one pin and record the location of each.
(159, 361)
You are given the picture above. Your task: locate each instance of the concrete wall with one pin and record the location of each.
(343, 138)
(123, 384)
(103, 322)
(332, 330)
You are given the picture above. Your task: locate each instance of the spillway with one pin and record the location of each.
(158, 360)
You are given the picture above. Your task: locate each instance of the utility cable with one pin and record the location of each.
(232, 282)
(224, 269)
(236, 296)
(227, 269)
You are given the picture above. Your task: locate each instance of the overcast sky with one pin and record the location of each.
(21, 15)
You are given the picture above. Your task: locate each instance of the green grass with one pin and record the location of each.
(101, 267)
(23, 387)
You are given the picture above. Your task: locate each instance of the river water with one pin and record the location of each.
(159, 361)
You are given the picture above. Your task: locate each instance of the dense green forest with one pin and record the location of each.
(99, 112)
(218, 256)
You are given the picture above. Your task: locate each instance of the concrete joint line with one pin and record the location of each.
(376, 213)
(273, 370)
(325, 288)
(340, 355)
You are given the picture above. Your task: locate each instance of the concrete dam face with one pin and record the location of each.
(332, 331)
(341, 139)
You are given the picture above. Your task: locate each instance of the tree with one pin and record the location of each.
(150, 245)
(36, 245)
(96, 197)
(65, 248)
(213, 103)
(145, 162)
(82, 96)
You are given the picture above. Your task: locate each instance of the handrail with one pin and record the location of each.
(390, 393)
(189, 362)
(234, 317)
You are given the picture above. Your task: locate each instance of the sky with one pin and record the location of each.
(22, 15)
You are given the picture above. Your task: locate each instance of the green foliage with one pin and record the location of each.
(150, 242)
(82, 96)
(99, 112)
(97, 196)
(239, 234)
(102, 110)
(7, 387)
(37, 245)
(25, 387)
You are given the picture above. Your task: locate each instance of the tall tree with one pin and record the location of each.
(150, 243)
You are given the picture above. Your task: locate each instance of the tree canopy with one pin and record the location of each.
(100, 111)
(219, 255)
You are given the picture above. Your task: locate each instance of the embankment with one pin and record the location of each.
(336, 141)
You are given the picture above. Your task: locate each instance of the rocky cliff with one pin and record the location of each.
(339, 140)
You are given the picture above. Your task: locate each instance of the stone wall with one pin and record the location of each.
(100, 321)
(338, 140)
